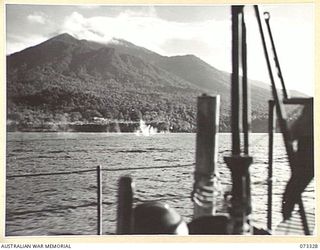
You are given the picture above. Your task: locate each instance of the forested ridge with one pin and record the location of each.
(66, 81)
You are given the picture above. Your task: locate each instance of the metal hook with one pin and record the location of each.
(266, 15)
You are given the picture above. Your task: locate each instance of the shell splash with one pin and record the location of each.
(145, 130)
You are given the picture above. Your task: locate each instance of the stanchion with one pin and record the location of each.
(271, 128)
(99, 201)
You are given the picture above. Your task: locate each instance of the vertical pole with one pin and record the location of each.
(245, 91)
(206, 155)
(239, 164)
(125, 203)
(246, 109)
(99, 201)
(271, 127)
(235, 10)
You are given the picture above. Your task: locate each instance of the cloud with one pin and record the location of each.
(209, 39)
(149, 31)
(36, 18)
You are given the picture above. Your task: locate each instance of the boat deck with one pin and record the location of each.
(294, 225)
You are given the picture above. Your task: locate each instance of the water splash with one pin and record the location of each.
(145, 130)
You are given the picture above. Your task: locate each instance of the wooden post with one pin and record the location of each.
(271, 128)
(125, 203)
(99, 201)
(206, 155)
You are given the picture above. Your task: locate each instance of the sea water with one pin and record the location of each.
(161, 166)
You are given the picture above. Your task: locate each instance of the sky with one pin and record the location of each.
(202, 30)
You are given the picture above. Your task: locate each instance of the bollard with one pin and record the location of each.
(125, 203)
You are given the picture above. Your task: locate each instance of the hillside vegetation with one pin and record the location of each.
(66, 81)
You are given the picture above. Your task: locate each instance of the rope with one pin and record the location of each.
(50, 209)
(56, 173)
(94, 170)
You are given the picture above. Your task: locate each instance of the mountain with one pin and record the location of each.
(65, 81)
(194, 70)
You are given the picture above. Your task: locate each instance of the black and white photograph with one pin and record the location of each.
(159, 119)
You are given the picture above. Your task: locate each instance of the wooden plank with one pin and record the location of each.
(294, 225)
(297, 100)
